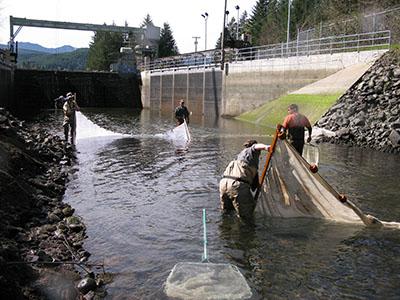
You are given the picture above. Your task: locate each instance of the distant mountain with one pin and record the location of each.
(34, 56)
(38, 48)
(72, 61)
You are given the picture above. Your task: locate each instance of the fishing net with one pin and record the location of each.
(190, 280)
(180, 135)
(206, 280)
(291, 189)
(311, 154)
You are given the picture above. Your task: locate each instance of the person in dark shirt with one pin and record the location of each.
(240, 177)
(182, 113)
(294, 124)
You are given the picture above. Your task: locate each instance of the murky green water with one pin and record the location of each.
(142, 204)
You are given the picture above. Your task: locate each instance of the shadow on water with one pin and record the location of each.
(142, 204)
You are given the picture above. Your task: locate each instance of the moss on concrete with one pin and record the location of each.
(273, 112)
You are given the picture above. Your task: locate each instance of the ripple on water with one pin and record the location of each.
(142, 203)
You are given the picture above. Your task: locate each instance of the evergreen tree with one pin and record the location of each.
(104, 50)
(230, 34)
(257, 20)
(167, 45)
(147, 21)
(243, 22)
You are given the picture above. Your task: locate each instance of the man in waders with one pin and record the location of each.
(182, 113)
(69, 124)
(241, 176)
(294, 124)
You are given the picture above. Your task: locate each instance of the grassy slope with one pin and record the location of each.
(313, 106)
(273, 112)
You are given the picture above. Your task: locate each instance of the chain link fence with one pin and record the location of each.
(388, 19)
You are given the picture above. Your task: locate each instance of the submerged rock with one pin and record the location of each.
(32, 224)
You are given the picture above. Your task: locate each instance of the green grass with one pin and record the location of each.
(273, 112)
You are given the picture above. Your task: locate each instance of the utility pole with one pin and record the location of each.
(195, 42)
(288, 29)
(237, 22)
(223, 39)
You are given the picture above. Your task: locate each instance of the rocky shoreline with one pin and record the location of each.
(368, 114)
(41, 238)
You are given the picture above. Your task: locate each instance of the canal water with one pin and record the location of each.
(142, 202)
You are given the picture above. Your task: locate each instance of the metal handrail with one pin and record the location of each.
(325, 45)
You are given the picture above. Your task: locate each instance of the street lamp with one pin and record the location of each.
(222, 39)
(237, 22)
(205, 16)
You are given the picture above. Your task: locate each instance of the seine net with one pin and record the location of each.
(180, 135)
(205, 280)
(311, 154)
(290, 189)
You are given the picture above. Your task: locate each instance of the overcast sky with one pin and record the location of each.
(184, 17)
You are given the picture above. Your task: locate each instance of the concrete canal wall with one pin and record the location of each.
(24, 90)
(37, 88)
(6, 84)
(201, 89)
(244, 85)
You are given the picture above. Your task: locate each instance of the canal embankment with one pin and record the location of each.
(41, 237)
(368, 114)
(364, 113)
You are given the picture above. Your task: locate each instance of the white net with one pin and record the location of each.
(291, 190)
(311, 154)
(189, 280)
(180, 135)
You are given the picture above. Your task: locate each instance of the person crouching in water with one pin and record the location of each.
(240, 177)
(69, 124)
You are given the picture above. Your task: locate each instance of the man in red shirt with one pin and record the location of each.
(294, 123)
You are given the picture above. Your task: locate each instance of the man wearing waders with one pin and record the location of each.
(182, 113)
(241, 176)
(295, 123)
(69, 124)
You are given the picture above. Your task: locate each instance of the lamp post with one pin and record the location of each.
(237, 22)
(223, 39)
(205, 16)
(288, 28)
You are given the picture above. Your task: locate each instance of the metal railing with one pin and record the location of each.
(327, 45)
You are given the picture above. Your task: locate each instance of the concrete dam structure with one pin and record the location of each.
(23, 91)
(243, 85)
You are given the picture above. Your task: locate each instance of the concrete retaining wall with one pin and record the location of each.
(6, 84)
(250, 84)
(38, 88)
(244, 85)
(201, 90)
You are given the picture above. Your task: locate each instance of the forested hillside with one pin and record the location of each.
(72, 61)
(268, 20)
(267, 23)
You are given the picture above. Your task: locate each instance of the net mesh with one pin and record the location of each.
(292, 190)
(189, 280)
(180, 135)
(311, 153)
